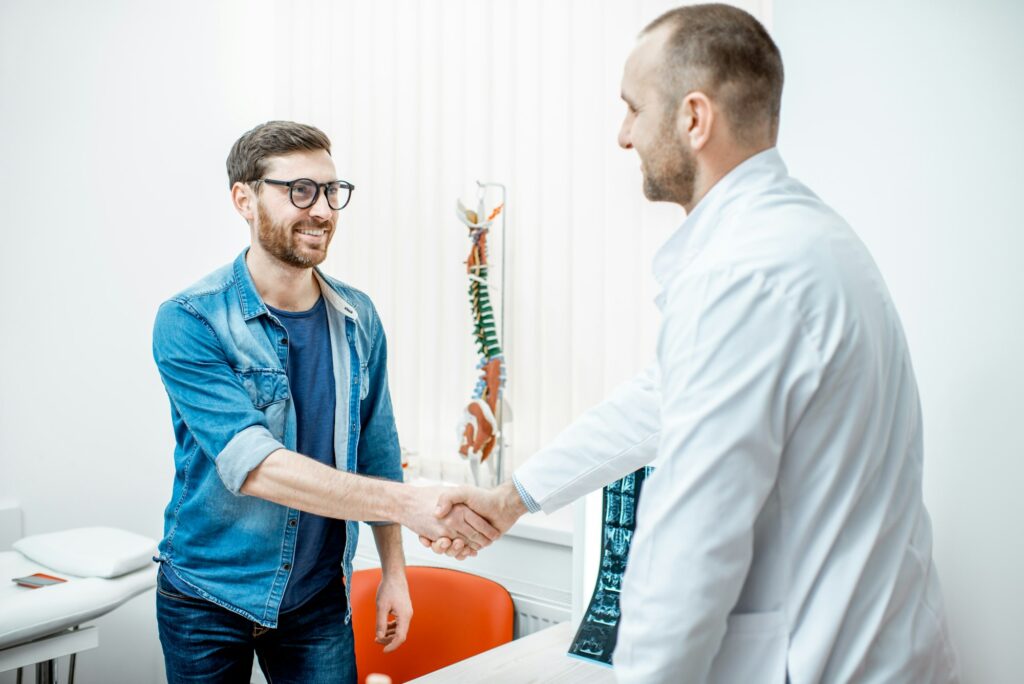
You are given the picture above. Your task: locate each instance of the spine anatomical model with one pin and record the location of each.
(479, 427)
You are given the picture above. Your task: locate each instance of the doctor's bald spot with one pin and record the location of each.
(727, 54)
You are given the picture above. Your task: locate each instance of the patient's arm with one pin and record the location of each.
(296, 481)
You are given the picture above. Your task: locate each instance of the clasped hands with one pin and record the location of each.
(459, 521)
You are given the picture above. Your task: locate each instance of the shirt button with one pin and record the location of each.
(287, 566)
(292, 523)
(284, 340)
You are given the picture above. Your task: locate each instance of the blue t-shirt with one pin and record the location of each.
(320, 541)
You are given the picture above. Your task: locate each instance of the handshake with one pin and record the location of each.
(459, 521)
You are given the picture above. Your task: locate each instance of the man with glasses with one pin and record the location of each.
(285, 436)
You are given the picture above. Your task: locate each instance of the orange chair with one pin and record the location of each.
(455, 615)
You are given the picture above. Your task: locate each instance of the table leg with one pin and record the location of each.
(46, 672)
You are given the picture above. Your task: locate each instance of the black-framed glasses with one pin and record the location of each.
(304, 192)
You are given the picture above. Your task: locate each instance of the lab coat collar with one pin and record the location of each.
(750, 176)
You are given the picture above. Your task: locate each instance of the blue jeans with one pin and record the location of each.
(203, 642)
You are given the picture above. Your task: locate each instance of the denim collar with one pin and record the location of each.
(252, 303)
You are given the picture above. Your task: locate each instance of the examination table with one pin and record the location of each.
(104, 567)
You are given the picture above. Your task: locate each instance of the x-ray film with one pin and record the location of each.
(599, 629)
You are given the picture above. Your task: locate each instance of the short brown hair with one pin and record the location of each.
(247, 159)
(727, 53)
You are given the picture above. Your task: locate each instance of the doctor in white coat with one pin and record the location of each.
(782, 536)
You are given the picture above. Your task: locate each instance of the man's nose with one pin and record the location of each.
(321, 209)
(624, 139)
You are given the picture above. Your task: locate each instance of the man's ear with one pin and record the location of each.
(244, 199)
(694, 120)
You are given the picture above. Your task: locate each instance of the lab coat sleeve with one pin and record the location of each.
(736, 370)
(606, 443)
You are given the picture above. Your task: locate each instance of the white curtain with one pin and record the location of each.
(423, 98)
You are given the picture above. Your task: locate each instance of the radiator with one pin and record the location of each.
(533, 615)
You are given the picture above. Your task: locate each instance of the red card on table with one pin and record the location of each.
(37, 580)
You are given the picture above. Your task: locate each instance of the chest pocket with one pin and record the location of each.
(268, 390)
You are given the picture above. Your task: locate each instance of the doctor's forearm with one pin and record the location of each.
(607, 442)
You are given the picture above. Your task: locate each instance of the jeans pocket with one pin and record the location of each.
(169, 591)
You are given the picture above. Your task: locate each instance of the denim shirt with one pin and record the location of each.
(222, 357)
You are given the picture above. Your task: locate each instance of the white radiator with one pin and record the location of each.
(533, 615)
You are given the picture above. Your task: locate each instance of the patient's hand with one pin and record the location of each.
(501, 507)
(457, 523)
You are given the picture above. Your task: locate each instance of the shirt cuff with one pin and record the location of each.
(528, 501)
(243, 454)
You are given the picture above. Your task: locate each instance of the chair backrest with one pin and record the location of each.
(455, 615)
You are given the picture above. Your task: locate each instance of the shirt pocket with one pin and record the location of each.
(268, 390)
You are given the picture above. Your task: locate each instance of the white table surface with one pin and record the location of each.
(539, 657)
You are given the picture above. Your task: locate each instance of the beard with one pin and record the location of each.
(279, 240)
(670, 173)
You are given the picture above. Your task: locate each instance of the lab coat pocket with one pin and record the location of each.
(753, 651)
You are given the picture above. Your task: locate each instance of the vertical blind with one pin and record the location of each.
(423, 98)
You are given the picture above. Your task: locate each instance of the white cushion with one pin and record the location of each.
(89, 551)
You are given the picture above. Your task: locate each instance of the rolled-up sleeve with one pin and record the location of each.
(207, 395)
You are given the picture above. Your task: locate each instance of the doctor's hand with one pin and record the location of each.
(394, 611)
(457, 523)
(501, 506)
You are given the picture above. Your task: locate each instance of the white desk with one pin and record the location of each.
(539, 657)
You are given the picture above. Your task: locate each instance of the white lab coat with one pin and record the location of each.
(783, 531)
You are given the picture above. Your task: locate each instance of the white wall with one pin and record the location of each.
(906, 117)
(116, 118)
